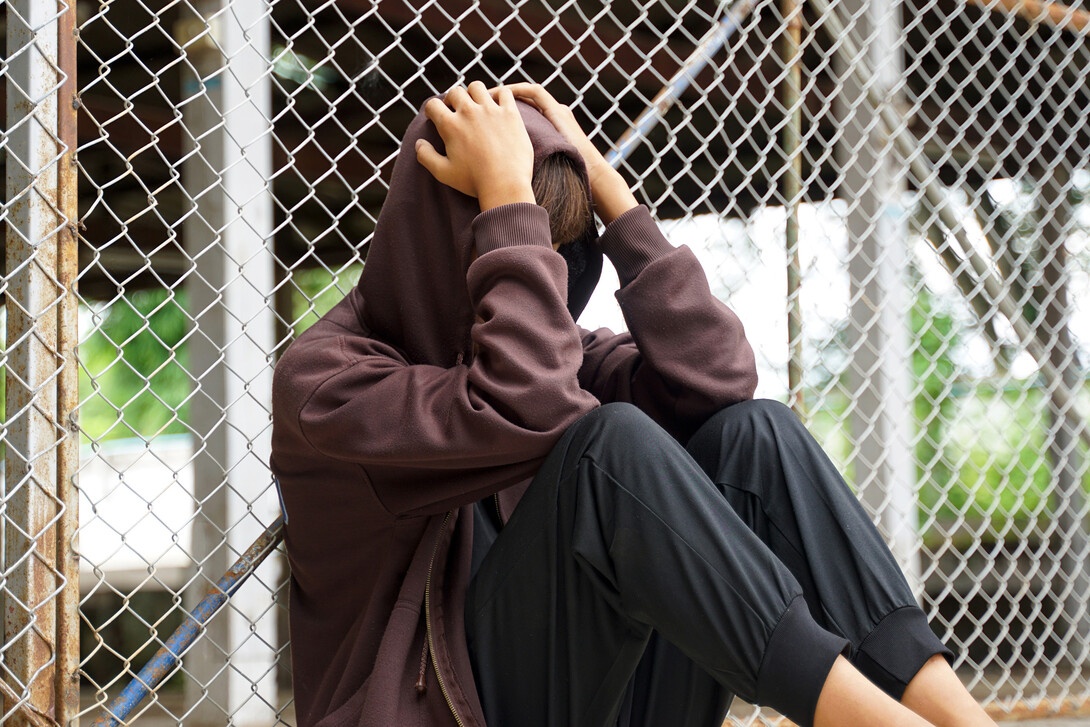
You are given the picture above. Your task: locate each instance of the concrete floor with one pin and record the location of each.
(164, 713)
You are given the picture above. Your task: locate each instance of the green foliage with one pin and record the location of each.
(980, 450)
(318, 290)
(133, 379)
(933, 371)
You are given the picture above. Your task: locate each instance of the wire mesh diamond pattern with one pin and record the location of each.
(894, 195)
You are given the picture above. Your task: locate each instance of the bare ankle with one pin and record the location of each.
(848, 697)
(937, 695)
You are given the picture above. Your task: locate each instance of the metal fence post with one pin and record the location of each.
(874, 180)
(32, 510)
(67, 673)
(228, 234)
(791, 140)
(1066, 459)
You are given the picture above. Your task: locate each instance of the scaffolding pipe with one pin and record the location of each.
(166, 660)
(677, 85)
(907, 145)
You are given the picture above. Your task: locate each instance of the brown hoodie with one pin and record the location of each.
(436, 383)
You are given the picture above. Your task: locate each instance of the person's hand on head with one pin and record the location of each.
(610, 192)
(488, 152)
(561, 117)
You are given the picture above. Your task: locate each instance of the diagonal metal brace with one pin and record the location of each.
(169, 656)
(908, 146)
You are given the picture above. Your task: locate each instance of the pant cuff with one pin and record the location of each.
(897, 648)
(796, 663)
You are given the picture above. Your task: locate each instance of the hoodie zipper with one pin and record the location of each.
(499, 513)
(427, 621)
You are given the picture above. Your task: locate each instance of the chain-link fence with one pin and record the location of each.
(895, 197)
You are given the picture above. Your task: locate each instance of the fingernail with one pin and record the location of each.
(419, 143)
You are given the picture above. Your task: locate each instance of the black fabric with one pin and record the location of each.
(893, 652)
(584, 261)
(575, 256)
(633, 586)
(785, 488)
(486, 528)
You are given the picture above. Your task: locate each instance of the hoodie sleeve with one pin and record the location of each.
(423, 433)
(686, 356)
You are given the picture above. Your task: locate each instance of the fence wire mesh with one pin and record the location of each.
(893, 194)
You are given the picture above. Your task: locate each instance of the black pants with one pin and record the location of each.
(641, 584)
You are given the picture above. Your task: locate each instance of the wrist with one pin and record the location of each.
(500, 194)
(612, 197)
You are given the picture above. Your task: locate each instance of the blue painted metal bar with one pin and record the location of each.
(168, 657)
(671, 92)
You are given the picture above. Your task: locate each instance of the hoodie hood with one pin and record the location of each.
(414, 279)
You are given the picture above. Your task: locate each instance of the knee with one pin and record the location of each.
(756, 417)
(618, 428)
(620, 419)
(759, 427)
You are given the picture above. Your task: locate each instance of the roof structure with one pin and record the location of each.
(350, 75)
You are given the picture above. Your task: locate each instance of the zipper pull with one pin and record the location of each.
(421, 684)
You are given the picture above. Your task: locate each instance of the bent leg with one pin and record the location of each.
(621, 533)
(669, 688)
(785, 488)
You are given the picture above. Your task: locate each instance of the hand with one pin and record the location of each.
(610, 192)
(488, 152)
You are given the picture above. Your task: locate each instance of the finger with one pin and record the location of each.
(479, 92)
(541, 99)
(437, 112)
(457, 98)
(432, 160)
(517, 88)
(503, 96)
(533, 91)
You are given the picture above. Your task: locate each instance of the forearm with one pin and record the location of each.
(691, 356)
(612, 196)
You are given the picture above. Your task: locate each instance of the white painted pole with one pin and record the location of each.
(874, 182)
(228, 233)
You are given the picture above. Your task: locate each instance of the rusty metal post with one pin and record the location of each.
(791, 98)
(67, 666)
(1057, 15)
(32, 511)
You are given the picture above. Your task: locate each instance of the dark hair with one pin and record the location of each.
(559, 188)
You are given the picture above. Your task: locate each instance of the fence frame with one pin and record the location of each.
(42, 457)
(41, 646)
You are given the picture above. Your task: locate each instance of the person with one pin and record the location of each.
(495, 517)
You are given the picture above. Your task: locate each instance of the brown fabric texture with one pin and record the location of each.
(435, 383)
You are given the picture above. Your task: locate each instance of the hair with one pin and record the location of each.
(559, 188)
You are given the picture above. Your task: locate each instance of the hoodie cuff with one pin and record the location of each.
(632, 242)
(511, 225)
